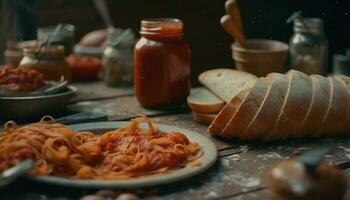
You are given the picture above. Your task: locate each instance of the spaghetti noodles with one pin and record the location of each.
(127, 152)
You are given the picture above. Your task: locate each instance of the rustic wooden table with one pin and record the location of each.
(238, 174)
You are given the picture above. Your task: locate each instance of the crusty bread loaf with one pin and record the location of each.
(201, 100)
(226, 83)
(262, 122)
(203, 118)
(319, 104)
(247, 109)
(287, 106)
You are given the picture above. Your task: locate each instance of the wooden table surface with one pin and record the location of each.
(238, 174)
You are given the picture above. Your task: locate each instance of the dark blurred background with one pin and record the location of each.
(209, 43)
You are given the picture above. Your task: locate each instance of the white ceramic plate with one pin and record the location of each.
(207, 159)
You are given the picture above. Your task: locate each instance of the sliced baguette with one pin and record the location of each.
(294, 109)
(203, 118)
(319, 104)
(335, 121)
(247, 108)
(226, 83)
(265, 118)
(201, 100)
(226, 113)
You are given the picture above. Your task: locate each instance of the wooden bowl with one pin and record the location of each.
(261, 56)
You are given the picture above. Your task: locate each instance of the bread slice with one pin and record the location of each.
(264, 120)
(294, 109)
(226, 83)
(346, 82)
(247, 108)
(319, 104)
(203, 118)
(202, 100)
(335, 121)
(226, 113)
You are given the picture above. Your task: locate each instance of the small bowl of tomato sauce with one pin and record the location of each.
(84, 68)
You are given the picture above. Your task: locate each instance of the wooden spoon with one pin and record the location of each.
(232, 9)
(231, 28)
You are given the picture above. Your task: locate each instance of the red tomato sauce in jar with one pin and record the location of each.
(162, 64)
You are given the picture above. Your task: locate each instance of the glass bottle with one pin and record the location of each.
(309, 46)
(117, 59)
(161, 64)
(49, 61)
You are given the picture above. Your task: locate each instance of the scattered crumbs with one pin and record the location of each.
(270, 155)
(297, 152)
(211, 194)
(244, 148)
(240, 179)
(261, 168)
(235, 157)
(225, 163)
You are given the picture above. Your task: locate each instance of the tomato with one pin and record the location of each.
(84, 68)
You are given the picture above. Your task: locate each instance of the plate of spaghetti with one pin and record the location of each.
(132, 154)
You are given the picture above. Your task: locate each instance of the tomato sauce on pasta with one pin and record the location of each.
(123, 153)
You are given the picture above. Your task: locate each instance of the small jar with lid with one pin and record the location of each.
(49, 61)
(161, 64)
(309, 46)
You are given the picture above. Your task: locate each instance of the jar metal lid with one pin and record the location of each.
(309, 25)
(164, 26)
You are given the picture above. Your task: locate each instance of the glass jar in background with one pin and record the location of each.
(161, 64)
(117, 59)
(308, 46)
(64, 37)
(50, 61)
(13, 54)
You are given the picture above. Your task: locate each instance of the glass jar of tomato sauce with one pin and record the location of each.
(162, 64)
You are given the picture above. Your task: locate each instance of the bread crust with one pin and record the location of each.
(346, 83)
(335, 122)
(204, 107)
(265, 118)
(203, 118)
(295, 107)
(247, 108)
(226, 113)
(319, 104)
